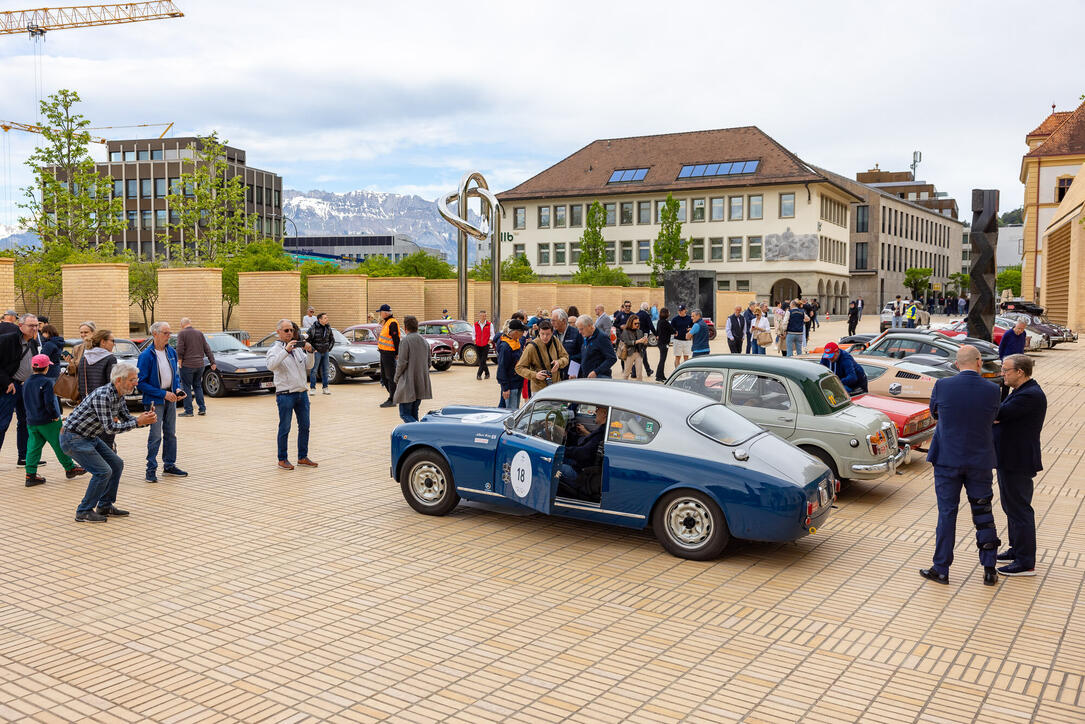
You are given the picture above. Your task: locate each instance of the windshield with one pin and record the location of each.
(460, 327)
(125, 349)
(225, 343)
(338, 337)
(834, 391)
(722, 425)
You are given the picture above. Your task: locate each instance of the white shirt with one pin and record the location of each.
(289, 368)
(307, 321)
(165, 374)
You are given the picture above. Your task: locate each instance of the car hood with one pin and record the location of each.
(791, 463)
(871, 420)
(243, 359)
(470, 415)
(890, 406)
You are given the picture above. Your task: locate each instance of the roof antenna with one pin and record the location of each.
(1052, 107)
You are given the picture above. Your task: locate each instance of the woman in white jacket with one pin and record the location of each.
(758, 325)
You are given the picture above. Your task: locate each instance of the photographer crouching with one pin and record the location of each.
(542, 358)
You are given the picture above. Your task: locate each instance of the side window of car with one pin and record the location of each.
(931, 349)
(873, 372)
(750, 390)
(703, 382)
(630, 427)
(545, 420)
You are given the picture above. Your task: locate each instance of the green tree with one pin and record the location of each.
(516, 268)
(69, 203)
(38, 278)
(421, 264)
(1017, 216)
(315, 267)
(376, 266)
(960, 282)
(593, 248)
(210, 220)
(917, 279)
(267, 255)
(604, 277)
(143, 288)
(669, 250)
(1009, 279)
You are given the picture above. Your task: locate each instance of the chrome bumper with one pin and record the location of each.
(888, 466)
(918, 438)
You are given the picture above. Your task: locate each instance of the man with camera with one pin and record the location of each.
(160, 384)
(289, 361)
(542, 358)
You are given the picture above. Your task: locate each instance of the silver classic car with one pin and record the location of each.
(346, 360)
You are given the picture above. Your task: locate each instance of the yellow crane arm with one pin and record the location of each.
(84, 16)
(31, 128)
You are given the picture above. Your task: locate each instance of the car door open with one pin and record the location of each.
(528, 454)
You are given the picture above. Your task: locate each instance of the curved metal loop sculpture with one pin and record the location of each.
(491, 211)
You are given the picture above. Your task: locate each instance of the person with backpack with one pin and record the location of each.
(543, 358)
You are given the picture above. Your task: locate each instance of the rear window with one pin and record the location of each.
(630, 427)
(833, 391)
(722, 425)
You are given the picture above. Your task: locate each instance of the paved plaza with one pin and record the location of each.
(246, 593)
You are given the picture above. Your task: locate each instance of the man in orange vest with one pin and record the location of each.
(388, 346)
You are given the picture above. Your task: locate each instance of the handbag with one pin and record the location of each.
(623, 351)
(764, 338)
(66, 387)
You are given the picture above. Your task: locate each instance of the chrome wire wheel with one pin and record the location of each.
(427, 483)
(689, 522)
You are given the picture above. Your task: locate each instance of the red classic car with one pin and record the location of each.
(462, 336)
(913, 420)
(441, 350)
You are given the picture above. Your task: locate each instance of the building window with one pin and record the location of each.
(544, 217)
(611, 210)
(544, 254)
(156, 154)
(574, 252)
(862, 219)
(742, 285)
(116, 156)
(627, 213)
(143, 155)
(682, 210)
(660, 205)
(559, 217)
(129, 155)
(626, 175)
(734, 248)
(860, 255)
(610, 252)
(145, 188)
(133, 188)
(145, 218)
(132, 218)
(644, 212)
(699, 170)
(118, 189)
(160, 188)
(175, 217)
(787, 206)
(259, 195)
(160, 219)
(576, 217)
(734, 207)
(716, 209)
(519, 217)
(697, 210)
(1061, 187)
(833, 211)
(518, 250)
(723, 285)
(627, 252)
(278, 200)
(715, 249)
(753, 248)
(559, 253)
(644, 251)
(754, 207)
(696, 249)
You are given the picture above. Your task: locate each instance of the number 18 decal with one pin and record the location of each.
(521, 474)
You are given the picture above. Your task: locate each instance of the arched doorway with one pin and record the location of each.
(835, 302)
(821, 291)
(784, 290)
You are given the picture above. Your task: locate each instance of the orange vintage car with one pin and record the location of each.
(897, 378)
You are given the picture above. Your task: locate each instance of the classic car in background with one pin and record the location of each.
(851, 343)
(238, 368)
(886, 322)
(125, 350)
(346, 359)
(913, 420)
(903, 343)
(801, 402)
(442, 353)
(694, 471)
(903, 379)
(1035, 339)
(462, 336)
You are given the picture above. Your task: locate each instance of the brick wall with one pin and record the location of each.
(510, 298)
(7, 284)
(443, 294)
(405, 295)
(264, 299)
(575, 295)
(195, 293)
(343, 297)
(533, 296)
(610, 297)
(727, 301)
(98, 292)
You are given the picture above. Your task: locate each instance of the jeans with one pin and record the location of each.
(513, 403)
(1015, 494)
(750, 342)
(192, 384)
(162, 433)
(794, 343)
(297, 404)
(9, 404)
(896, 321)
(976, 482)
(39, 435)
(408, 411)
(320, 364)
(756, 347)
(104, 466)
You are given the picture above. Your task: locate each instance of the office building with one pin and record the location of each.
(356, 247)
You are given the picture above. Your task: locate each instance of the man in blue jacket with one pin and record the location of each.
(963, 454)
(570, 339)
(597, 355)
(508, 354)
(699, 334)
(1013, 341)
(843, 365)
(161, 388)
(1017, 445)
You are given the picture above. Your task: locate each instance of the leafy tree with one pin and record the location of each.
(960, 282)
(917, 279)
(1010, 279)
(211, 219)
(38, 276)
(669, 250)
(266, 255)
(516, 268)
(1017, 216)
(421, 264)
(143, 288)
(376, 266)
(315, 267)
(69, 203)
(593, 248)
(605, 276)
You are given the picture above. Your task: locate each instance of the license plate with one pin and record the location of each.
(823, 495)
(267, 385)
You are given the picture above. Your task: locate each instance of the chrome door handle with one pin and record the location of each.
(546, 459)
(786, 419)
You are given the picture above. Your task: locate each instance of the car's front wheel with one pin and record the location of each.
(213, 384)
(442, 366)
(427, 483)
(335, 375)
(469, 355)
(689, 524)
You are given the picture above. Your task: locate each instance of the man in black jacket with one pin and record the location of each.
(320, 336)
(1017, 446)
(16, 351)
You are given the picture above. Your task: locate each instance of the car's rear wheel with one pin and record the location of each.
(335, 375)
(427, 483)
(823, 457)
(469, 355)
(213, 385)
(689, 524)
(442, 366)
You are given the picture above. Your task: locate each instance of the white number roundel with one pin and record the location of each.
(520, 471)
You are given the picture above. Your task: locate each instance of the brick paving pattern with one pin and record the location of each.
(245, 593)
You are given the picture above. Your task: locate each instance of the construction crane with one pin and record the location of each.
(31, 128)
(38, 22)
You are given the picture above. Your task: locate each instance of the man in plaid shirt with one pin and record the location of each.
(102, 411)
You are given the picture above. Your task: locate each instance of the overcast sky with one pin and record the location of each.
(406, 96)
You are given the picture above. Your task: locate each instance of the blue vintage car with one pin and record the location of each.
(624, 453)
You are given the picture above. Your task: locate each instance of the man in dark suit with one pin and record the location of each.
(735, 331)
(1017, 445)
(597, 354)
(963, 454)
(16, 350)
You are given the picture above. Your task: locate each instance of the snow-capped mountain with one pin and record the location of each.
(322, 213)
(12, 236)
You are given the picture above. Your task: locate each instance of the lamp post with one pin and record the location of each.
(287, 218)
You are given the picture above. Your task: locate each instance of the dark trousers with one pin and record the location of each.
(483, 366)
(293, 404)
(10, 404)
(192, 384)
(104, 465)
(735, 345)
(976, 482)
(851, 326)
(1015, 493)
(662, 362)
(388, 372)
(749, 343)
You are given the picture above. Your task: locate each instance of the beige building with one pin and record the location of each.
(755, 214)
(1063, 270)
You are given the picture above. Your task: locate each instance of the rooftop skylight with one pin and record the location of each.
(625, 175)
(733, 168)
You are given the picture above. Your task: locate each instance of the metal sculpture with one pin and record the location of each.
(984, 238)
(491, 211)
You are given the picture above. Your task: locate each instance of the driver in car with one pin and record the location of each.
(581, 454)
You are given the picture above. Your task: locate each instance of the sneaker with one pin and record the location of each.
(388, 403)
(111, 511)
(1007, 555)
(312, 391)
(151, 477)
(325, 391)
(90, 517)
(175, 471)
(186, 414)
(22, 464)
(75, 472)
(1017, 569)
(32, 480)
(285, 465)
(307, 463)
(201, 413)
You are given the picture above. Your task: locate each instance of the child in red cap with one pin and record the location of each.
(43, 421)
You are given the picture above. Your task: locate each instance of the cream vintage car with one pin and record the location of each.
(900, 379)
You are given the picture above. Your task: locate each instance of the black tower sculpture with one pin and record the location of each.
(984, 237)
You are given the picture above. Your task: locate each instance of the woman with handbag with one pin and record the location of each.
(760, 336)
(95, 367)
(633, 342)
(664, 332)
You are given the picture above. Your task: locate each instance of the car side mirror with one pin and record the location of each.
(508, 422)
